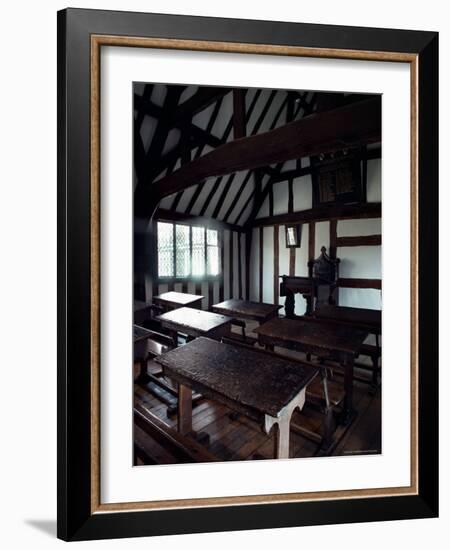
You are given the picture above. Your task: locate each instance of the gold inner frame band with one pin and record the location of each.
(97, 41)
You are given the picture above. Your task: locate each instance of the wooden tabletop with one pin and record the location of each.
(306, 334)
(195, 322)
(177, 299)
(360, 317)
(250, 381)
(247, 310)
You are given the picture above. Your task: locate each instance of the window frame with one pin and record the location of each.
(190, 278)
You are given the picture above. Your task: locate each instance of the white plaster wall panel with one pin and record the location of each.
(261, 102)
(167, 202)
(223, 117)
(374, 180)
(173, 137)
(159, 94)
(360, 262)
(226, 267)
(302, 188)
(245, 215)
(273, 111)
(188, 92)
(360, 297)
(322, 237)
(162, 174)
(185, 198)
(243, 197)
(201, 119)
(254, 267)
(268, 265)
(215, 198)
(264, 210)
(280, 197)
(236, 180)
(290, 164)
(147, 130)
(203, 195)
(359, 228)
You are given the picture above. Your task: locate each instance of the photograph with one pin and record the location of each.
(247, 274)
(257, 273)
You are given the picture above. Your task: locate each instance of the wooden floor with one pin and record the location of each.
(234, 437)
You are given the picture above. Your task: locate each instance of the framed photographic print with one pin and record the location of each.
(247, 274)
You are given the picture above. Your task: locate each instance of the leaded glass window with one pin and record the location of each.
(186, 251)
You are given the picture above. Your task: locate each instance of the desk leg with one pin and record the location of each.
(348, 412)
(174, 335)
(375, 364)
(184, 409)
(282, 433)
(282, 424)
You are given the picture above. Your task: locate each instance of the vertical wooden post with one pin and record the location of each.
(222, 264)
(239, 242)
(248, 266)
(261, 265)
(231, 262)
(312, 241)
(292, 254)
(276, 263)
(334, 297)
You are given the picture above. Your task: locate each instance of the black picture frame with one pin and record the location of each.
(76, 518)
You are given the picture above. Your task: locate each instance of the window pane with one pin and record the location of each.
(165, 249)
(211, 237)
(198, 251)
(182, 250)
(212, 260)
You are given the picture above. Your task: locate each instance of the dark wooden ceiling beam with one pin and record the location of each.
(323, 213)
(349, 126)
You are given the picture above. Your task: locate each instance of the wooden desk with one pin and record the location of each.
(244, 309)
(360, 318)
(172, 300)
(265, 388)
(195, 323)
(366, 319)
(326, 340)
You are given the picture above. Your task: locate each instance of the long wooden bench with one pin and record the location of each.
(181, 448)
